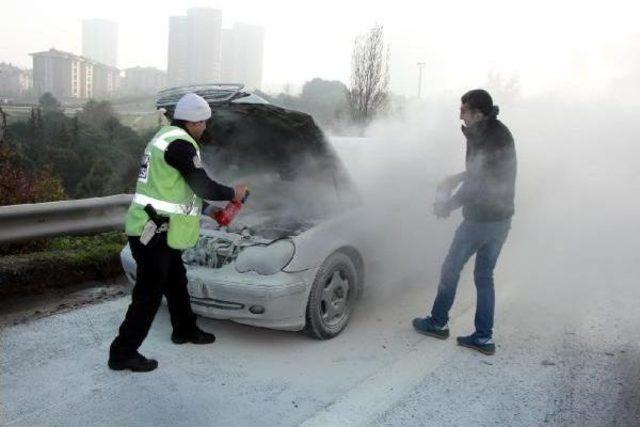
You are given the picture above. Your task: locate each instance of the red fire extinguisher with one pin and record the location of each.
(226, 215)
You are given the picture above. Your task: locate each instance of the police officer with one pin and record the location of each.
(163, 220)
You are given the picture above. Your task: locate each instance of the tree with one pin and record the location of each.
(368, 95)
(100, 181)
(49, 103)
(91, 154)
(3, 124)
(20, 185)
(96, 113)
(325, 100)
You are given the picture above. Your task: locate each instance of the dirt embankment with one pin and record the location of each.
(33, 273)
(22, 309)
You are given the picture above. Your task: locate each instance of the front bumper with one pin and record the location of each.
(223, 293)
(279, 301)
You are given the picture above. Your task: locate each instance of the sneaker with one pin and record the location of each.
(135, 363)
(427, 326)
(197, 336)
(483, 345)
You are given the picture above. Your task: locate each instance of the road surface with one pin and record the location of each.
(563, 358)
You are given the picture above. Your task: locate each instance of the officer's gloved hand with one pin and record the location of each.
(212, 210)
(240, 192)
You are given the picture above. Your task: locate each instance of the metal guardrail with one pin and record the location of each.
(70, 217)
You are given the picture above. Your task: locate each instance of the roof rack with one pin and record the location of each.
(212, 93)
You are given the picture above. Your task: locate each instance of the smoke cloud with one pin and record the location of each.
(576, 190)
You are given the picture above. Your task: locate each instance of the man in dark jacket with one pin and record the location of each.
(486, 197)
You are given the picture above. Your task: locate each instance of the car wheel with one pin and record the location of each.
(332, 297)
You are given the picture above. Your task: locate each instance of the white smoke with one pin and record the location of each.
(576, 191)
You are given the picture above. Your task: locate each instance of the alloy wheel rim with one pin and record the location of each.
(335, 298)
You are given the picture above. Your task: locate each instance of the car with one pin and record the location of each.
(297, 256)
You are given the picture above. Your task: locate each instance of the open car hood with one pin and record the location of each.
(295, 177)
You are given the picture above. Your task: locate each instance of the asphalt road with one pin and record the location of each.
(564, 358)
(568, 346)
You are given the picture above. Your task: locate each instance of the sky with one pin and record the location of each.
(546, 44)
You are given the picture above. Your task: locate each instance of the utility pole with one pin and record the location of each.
(420, 68)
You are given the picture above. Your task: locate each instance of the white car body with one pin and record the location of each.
(226, 293)
(298, 257)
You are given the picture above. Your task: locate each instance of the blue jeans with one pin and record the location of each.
(485, 239)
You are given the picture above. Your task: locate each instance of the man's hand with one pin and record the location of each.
(441, 210)
(240, 192)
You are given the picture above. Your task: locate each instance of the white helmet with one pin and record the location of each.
(192, 108)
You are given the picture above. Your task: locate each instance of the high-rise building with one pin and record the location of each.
(14, 82)
(144, 80)
(100, 41)
(177, 63)
(242, 55)
(68, 76)
(227, 57)
(194, 47)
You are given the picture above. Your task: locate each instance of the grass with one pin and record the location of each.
(88, 247)
(61, 261)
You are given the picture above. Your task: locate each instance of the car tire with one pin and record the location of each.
(332, 298)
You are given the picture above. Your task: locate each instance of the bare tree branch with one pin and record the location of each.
(368, 94)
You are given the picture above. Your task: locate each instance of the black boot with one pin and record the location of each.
(136, 363)
(196, 336)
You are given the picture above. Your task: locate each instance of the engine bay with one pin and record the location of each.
(219, 246)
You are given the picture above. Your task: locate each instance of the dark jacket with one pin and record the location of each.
(181, 154)
(488, 189)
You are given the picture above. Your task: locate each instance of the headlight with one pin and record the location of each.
(266, 260)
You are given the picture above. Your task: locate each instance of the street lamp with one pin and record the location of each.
(420, 68)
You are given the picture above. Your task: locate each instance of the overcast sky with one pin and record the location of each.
(547, 43)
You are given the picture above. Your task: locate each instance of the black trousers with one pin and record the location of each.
(160, 271)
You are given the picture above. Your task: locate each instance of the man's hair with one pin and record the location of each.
(479, 100)
(179, 123)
